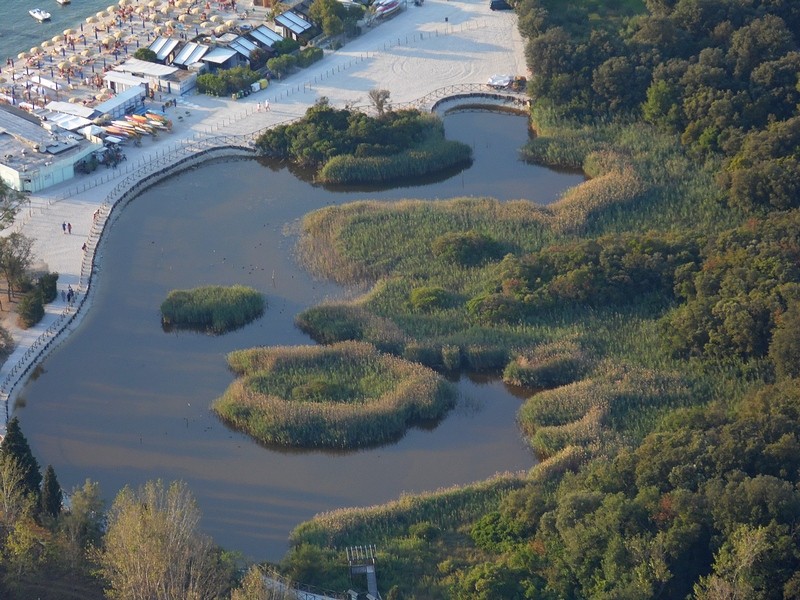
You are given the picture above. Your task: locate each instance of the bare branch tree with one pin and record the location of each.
(380, 99)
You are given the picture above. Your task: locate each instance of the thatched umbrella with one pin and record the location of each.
(100, 14)
(108, 40)
(63, 65)
(220, 29)
(87, 52)
(196, 10)
(70, 31)
(74, 59)
(118, 35)
(47, 44)
(91, 19)
(57, 38)
(158, 30)
(112, 9)
(22, 55)
(216, 19)
(184, 18)
(36, 50)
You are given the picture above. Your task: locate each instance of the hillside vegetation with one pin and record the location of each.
(657, 305)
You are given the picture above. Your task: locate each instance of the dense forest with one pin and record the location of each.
(653, 312)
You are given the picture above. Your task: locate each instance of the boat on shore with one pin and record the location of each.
(39, 14)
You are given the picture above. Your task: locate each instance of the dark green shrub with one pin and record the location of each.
(424, 531)
(285, 46)
(282, 65)
(47, 285)
(547, 366)
(308, 56)
(485, 358)
(30, 309)
(468, 248)
(451, 357)
(422, 353)
(427, 298)
(145, 54)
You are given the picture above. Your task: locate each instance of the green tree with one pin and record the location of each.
(16, 256)
(52, 496)
(30, 309)
(784, 349)
(82, 526)
(146, 54)
(14, 503)
(15, 445)
(153, 548)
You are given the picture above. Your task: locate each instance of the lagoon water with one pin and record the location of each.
(122, 402)
(19, 31)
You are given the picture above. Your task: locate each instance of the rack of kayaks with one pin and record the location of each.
(136, 126)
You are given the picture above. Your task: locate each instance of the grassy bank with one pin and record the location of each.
(347, 395)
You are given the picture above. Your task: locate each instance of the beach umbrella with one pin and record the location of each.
(63, 65)
(152, 3)
(205, 24)
(74, 59)
(22, 55)
(87, 52)
(220, 29)
(123, 2)
(91, 19)
(118, 35)
(47, 44)
(111, 9)
(100, 14)
(36, 50)
(170, 24)
(230, 23)
(183, 18)
(166, 9)
(158, 30)
(215, 19)
(70, 31)
(195, 11)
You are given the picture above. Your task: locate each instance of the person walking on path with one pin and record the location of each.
(64, 227)
(69, 227)
(266, 105)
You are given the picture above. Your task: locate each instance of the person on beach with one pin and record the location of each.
(83, 247)
(266, 105)
(69, 228)
(64, 227)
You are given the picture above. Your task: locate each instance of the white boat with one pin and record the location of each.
(63, 2)
(39, 14)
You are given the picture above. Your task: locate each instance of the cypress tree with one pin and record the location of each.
(52, 495)
(16, 446)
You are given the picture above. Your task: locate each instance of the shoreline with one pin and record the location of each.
(423, 49)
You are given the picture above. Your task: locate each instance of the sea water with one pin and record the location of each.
(19, 32)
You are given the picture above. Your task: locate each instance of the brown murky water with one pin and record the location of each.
(122, 402)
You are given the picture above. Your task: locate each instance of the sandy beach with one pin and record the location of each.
(421, 50)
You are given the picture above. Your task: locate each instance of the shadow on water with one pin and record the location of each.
(120, 402)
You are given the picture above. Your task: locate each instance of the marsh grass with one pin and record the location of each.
(446, 508)
(216, 309)
(346, 395)
(617, 405)
(548, 365)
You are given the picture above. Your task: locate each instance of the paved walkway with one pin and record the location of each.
(442, 42)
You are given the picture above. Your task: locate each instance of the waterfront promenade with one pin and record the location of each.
(422, 49)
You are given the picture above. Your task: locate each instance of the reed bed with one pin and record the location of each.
(548, 365)
(346, 395)
(434, 156)
(446, 508)
(368, 240)
(618, 402)
(216, 309)
(331, 323)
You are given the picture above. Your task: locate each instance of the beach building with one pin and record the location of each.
(36, 154)
(159, 78)
(223, 58)
(190, 54)
(291, 25)
(166, 49)
(124, 103)
(266, 37)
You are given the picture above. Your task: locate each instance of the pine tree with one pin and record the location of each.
(50, 502)
(16, 446)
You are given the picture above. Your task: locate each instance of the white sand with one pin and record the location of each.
(422, 49)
